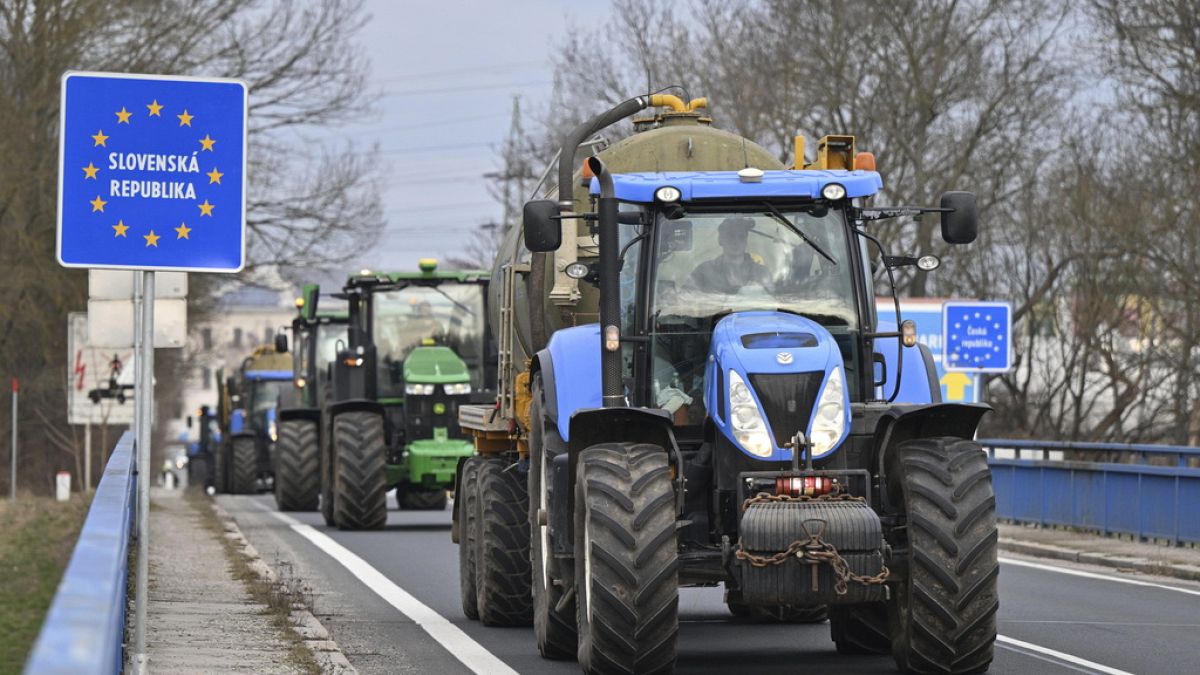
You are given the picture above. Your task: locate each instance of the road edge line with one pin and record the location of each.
(1095, 575)
(450, 637)
(1061, 656)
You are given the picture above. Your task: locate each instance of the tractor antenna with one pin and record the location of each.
(745, 155)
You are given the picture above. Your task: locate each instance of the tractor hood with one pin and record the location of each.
(434, 365)
(794, 380)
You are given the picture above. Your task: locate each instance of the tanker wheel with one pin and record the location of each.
(502, 573)
(626, 560)
(360, 502)
(466, 500)
(327, 494)
(553, 628)
(243, 467)
(860, 629)
(779, 613)
(297, 466)
(943, 614)
(420, 499)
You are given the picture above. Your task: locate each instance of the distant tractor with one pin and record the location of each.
(316, 338)
(711, 398)
(416, 350)
(246, 415)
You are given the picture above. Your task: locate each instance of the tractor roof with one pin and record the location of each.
(804, 184)
(431, 277)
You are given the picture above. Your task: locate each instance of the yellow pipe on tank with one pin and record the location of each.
(671, 101)
(695, 103)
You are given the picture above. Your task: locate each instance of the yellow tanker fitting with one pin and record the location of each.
(676, 104)
(833, 152)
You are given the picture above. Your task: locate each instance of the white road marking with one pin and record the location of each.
(1062, 656)
(451, 637)
(1093, 575)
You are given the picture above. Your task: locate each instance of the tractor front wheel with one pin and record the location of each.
(860, 629)
(243, 469)
(420, 499)
(943, 609)
(626, 560)
(297, 466)
(358, 468)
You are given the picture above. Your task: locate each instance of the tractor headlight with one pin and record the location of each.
(457, 389)
(418, 389)
(667, 194)
(830, 420)
(749, 429)
(833, 191)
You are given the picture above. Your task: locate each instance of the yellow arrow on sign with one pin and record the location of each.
(956, 385)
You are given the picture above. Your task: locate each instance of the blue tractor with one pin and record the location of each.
(246, 413)
(740, 415)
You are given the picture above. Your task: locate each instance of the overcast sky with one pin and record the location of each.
(448, 71)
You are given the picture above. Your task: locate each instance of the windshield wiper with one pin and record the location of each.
(446, 295)
(783, 219)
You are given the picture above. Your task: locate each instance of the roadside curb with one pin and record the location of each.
(1143, 565)
(312, 634)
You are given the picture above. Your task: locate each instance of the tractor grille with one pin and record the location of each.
(420, 419)
(787, 400)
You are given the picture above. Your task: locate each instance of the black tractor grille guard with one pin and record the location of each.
(787, 400)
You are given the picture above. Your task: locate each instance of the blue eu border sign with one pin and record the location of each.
(977, 336)
(152, 173)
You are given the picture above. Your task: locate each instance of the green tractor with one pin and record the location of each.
(316, 336)
(417, 349)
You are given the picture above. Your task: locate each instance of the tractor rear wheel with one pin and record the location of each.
(466, 500)
(553, 628)
(297, 466)
(243, 469)
(943, 613)
(626, 560)
(860, 629)
(358, 468)
(420, 499)
(502, 573)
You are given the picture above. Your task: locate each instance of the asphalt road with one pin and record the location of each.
(390, 599)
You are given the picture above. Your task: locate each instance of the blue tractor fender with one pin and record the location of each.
(572, 356)
(237, 421)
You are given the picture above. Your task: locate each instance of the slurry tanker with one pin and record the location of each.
(696, 389)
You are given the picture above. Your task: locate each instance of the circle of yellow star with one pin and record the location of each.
(90, 170)
(123, 116)
(151, 239)
(155, 108)
(97, 204)
(205, 208)
(214, 176)
(100, 138)
(182, 231)
(185, 120)
(120, 228)
(206, 143)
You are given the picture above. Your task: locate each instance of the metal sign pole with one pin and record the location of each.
(145, 393)
(87, 457)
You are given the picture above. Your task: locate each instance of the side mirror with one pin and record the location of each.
(281, 344)
(542, 230)
(960, 225)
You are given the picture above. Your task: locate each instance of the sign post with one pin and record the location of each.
(151, 178)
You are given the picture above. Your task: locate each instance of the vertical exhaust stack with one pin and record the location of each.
(610, 306)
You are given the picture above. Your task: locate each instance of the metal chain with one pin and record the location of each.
(814, 550)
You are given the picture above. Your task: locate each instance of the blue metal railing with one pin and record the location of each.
(84, 629)
(1136, 498)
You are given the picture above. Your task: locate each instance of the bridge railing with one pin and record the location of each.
(84, 629)
(1147, 491)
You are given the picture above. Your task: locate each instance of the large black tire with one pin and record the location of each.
(554, 629)
(466, 500)
(420, 499)
(243, 465)
(327, 493)
(297, 466)
(502, 574)
(221, 463)
(860, 629)
(360, 483)
(626, 560)
(943, 612)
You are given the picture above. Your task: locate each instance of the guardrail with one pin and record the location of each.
(85, 627)
(1146, 500)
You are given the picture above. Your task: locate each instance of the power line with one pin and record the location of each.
(465, 69)
(429, 125)
(477, 87)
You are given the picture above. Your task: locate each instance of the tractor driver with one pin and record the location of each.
(735, 268)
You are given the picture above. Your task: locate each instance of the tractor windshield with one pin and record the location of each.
(713, 263)
(449, 314)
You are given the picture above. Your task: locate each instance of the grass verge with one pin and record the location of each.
(37, 535)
